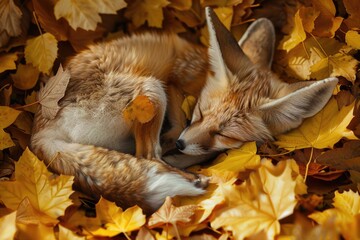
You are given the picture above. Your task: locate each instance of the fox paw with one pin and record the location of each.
(201, 181)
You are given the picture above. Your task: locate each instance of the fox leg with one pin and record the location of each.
(147, 135)
(176, 117)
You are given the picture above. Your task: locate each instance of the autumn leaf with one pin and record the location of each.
(27, 214)
(141, 109)
(54, 90)
(326, 24)
(320, 58)
(84, 13)
(238, 160)
(336, 65)
(41, 52)
(10, 18)
(346, 207)
(35, 231)
(8, 226)
(352, 39)
(7, 61)
(116, 220)
(308, 16)
(214, 196)
(151, 11)
(323, 130)
(34, 181)
(188, 106)
(169, 214)
(353, 9)
(7, 117)
(346, 158)
(25, 77)
(296, 36)
(258, 204)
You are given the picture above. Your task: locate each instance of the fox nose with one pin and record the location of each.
(180, 144)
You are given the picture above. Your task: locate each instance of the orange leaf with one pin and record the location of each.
(140, 109)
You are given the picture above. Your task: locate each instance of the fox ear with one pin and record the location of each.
(303, 100)
(224, 52)
(258, 42)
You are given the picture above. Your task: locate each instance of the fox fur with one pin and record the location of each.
(89, 137)
(239, 100)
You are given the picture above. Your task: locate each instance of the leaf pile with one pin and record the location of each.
(305, 185)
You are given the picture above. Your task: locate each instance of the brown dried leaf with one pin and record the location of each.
(25, 77)
(53, 91)
(10, 18)
(346, 158)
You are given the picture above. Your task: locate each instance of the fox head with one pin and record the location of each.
(243, 100)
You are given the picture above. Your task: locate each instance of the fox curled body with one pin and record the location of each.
(239, 100)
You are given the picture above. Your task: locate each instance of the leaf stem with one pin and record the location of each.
(276, 155)
(176, 231)
(318, 43)
(28, 105)
(308, 164)
(127, 236)
(37, 22)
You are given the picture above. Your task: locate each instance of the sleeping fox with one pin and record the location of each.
(239, 100)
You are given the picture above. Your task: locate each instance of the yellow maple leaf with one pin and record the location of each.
(116, 220)
(140, 109)
(25, 77)
(300, 187)
(7, 117)
(237, 160)
(27, 214)
(296, 36)
(323, 130)
(258, 204)
(10, 18)
(352, 39)
(41, 52)
(147, 10)
(346, 208)
(320, 58)
(7, 61)
(34, 181)
(188, 106)
(8, 226)
(85, 13)
(35, 231)
(336, 65)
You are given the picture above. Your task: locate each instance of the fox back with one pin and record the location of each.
(243, 100)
